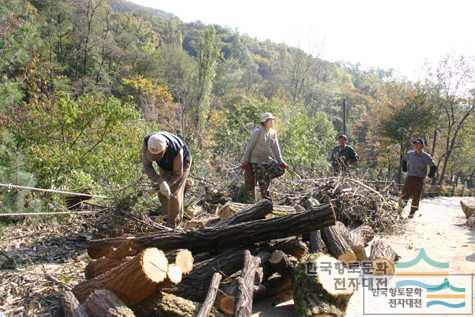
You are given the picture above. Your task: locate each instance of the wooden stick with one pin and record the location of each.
(11, 186)
(211, 296)
(245, 290)
(82, 212)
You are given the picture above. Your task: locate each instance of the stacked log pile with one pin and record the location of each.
(246, 254)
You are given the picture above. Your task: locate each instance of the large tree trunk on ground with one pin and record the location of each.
(468, 206)
(315, 294)
(221, 237)
(230, 209)
(104, 303)
(245, 290)
(182, 258)
(337, 244)
(71, 306)
(195, 285)
(132, 281)
(211, 296)
(169, 305)
(383, 258)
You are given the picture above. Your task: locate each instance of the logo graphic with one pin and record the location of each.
(421, 286)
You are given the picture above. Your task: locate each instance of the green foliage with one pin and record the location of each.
(308, 140)
(96, 135)
(13, 170)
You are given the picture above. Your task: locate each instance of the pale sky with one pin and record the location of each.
(399, 34)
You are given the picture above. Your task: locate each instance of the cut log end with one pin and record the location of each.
(174, 273)
(225, 304)
(184, 260)
(383, 258)
(155, 264)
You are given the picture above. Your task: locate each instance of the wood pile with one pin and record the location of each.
(468, 208)
(245, 254)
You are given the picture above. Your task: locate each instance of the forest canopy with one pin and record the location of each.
(82, 82)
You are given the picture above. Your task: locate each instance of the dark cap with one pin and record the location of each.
(342, 136)
(418, 141)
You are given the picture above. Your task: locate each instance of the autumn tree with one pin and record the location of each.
(452, 83)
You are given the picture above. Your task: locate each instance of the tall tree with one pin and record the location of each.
(207, 59)
(453, 83)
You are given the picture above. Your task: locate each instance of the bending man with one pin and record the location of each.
(173, 159)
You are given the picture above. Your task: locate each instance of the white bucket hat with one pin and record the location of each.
(156, 143)
(266, 116)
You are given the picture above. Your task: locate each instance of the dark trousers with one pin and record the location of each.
(413, 189)
(255, 174)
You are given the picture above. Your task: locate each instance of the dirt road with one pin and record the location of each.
(439, 227)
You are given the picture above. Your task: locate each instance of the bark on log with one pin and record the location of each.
(337, 244)
(383, 258)
(71, 306)
(195, 285)
(293, 247)
(468, 206)
(104, 303)
(232, 208)
(359, 239)
(221, 237)
(248, 213)
(316, 294)
(281, 263)
(278, 288)
(132, 281)
(211, 296)
(200, 223)
(245, 290)
(169, 305)
(101, 265)
(315, 241)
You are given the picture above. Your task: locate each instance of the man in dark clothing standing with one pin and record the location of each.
(343, 156)
(415, 163)
(173, 159)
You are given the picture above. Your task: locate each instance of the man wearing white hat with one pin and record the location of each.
(262, 160)
(173, 159)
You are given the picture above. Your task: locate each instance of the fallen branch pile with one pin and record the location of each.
(244, 254)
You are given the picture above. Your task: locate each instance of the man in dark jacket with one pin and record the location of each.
(173, 159)
(415, 163)
(343, 156)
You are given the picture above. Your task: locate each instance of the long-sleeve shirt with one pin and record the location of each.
(343, 156)
(416, 164)
(262, 147)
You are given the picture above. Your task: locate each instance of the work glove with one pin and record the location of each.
(165, 189)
